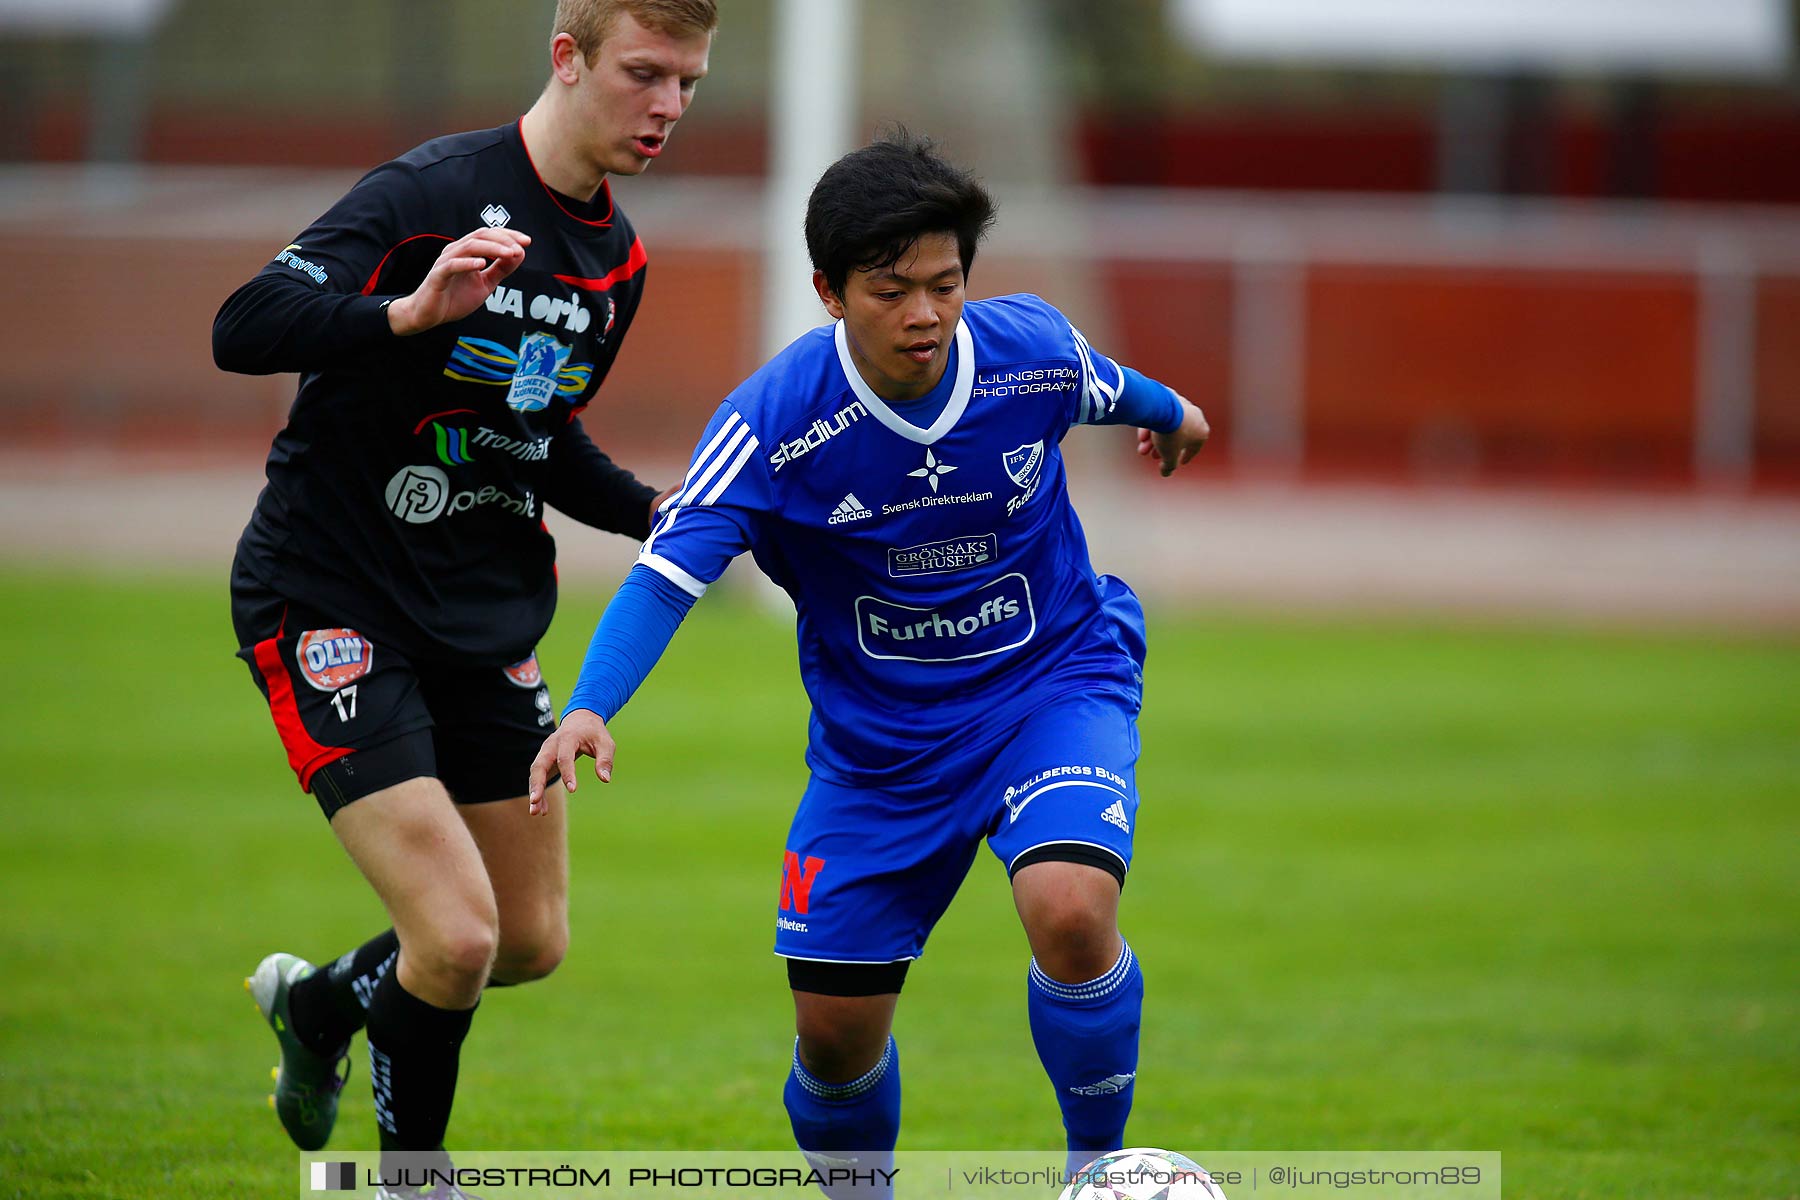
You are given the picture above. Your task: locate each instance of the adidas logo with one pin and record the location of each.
(1112, 1085)
(848, 509)
(1115, 815)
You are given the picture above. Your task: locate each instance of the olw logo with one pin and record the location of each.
(797, 881)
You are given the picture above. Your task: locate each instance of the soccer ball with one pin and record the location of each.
(1143, 1174)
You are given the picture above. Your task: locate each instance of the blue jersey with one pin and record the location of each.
(939, 572)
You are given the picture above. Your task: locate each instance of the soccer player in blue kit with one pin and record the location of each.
(899, 475)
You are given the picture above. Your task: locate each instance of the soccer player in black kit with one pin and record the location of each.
(390, 589)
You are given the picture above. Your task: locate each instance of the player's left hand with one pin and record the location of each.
(1179, 445)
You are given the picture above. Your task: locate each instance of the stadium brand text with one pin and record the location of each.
(816, 435)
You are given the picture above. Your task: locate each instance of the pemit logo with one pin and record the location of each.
(334, 1177)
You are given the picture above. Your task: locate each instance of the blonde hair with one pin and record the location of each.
(590, 22)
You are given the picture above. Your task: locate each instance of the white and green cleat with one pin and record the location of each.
(306, 1084)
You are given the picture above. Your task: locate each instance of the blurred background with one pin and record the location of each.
(1492, 305)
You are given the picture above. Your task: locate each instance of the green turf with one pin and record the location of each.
(1535, 892)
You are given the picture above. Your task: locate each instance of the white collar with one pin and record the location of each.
(953, 411)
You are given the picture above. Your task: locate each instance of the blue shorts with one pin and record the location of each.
(868, 872)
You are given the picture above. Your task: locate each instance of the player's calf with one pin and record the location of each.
(1084, 996)
(842, 1092)
(848, 1130)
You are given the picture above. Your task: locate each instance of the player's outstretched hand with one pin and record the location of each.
(1179, 445)
(581, 732)
(460, 281)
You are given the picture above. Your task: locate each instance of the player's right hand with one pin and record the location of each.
(581, 732)
(460, 281)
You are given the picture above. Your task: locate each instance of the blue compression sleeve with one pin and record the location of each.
(1143, 401)
(632, 634)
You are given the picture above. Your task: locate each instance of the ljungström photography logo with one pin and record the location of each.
(334, 1177)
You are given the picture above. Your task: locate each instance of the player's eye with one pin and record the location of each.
(643, 76)
(887, 295)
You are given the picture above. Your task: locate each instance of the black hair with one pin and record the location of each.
(872, 206)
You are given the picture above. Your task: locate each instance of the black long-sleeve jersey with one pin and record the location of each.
(406, 491)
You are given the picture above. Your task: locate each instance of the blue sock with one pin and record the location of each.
(1087, 1039)
(848, 1128)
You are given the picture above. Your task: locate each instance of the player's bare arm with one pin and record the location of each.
(1177, 447)
(460, 281)
(581, 732)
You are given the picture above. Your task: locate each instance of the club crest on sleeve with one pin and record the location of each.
(525, 673)
(331, 658)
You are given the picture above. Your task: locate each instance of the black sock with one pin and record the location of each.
(329, 1006)
(413, 1049)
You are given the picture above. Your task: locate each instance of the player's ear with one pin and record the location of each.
(827, 297)
(566, 61)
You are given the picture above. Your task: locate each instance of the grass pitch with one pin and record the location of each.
(1535, 892)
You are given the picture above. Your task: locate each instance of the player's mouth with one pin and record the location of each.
(649, 146)
(920, 352)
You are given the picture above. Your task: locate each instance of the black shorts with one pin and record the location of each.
(356, 716)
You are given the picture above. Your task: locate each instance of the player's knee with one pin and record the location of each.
(1071, 916)
(1075, 938)
(458, 954)
(526, 959)
(835, 1058)
(838, 1042)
